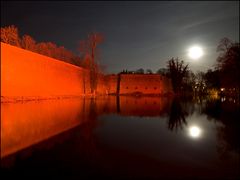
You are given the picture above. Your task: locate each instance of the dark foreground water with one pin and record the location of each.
(121, 138)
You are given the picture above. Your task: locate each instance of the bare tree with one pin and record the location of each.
(229, 63)
(88, 50)
(177, 116)
(177, 71)
(200, 85)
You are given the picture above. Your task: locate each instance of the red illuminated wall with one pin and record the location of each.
(111, 84)
(144, 83)
(138, 83)
(102, 86)
(26, 75)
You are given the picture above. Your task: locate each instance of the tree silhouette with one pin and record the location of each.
(28, 43)
(139, 71)
(88, 50)
(10, 36)
(200, 82)
(228, 63)
(177, 71)
(149, 71)
(212, 78)
(228, 114)
(190, 82)
(163, 71)
(177, 116)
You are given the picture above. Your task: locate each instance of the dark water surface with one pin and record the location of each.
(121, 138)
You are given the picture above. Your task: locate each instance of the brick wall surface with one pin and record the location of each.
(144, 83)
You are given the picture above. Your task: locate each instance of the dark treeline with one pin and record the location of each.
(223, 79)
(217, 110)
(11, 36)
(162, 71)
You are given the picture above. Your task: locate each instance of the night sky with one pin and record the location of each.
(137, 34)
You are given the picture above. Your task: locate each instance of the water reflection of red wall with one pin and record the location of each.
(24, 73)
(25, 124)
(144, 106)
(133, 106)
(106, 104)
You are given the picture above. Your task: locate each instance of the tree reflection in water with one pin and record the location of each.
(177, 116)
(87, 133)
(227, 112)
(224, 111)
(82, 151)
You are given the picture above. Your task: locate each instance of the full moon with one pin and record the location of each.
(195, 52)
(194, 131)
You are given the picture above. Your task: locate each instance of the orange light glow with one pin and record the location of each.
(24, 73)
(25, 124)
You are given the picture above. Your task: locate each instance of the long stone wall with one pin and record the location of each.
(124, 84)
(145, 84)
(112, 83)
(28, 75)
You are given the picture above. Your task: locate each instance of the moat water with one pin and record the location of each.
(121, 138)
